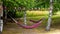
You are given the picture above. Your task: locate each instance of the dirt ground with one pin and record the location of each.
(14, 29)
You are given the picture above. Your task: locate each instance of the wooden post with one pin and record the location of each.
(50, 16)
(1, 15)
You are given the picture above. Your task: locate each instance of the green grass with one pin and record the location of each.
(36, 15)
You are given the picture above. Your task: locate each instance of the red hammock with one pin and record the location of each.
(26, 26)
(30, 27)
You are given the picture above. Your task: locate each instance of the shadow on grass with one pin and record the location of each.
(56, 22)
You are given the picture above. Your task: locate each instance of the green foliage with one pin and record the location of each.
(10, 4)
(28, 4)
(19, 14)
(43, 3)
(56, 6)
(12, 13)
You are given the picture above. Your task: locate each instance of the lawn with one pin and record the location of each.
(12, 28)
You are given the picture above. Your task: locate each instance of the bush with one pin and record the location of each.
(19, 14)
(15, 14)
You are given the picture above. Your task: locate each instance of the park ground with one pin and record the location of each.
(12, 28)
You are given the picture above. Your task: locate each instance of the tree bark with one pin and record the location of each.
(50, 16)
(1, 15)
(25, 18)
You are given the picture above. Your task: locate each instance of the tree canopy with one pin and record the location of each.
(28, 4)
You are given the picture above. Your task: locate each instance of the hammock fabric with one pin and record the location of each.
(30, 27)
(36, 21)
(26, 26)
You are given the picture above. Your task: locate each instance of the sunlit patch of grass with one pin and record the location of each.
(58, 13)
(37, 13)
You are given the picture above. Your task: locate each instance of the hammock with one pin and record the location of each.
(26, 26)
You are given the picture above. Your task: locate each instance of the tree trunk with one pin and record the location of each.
(25, 18)
(5, 15)
(50, 16)
(1, 15)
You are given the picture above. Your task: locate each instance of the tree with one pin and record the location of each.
(1, 15)
(50, 16)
